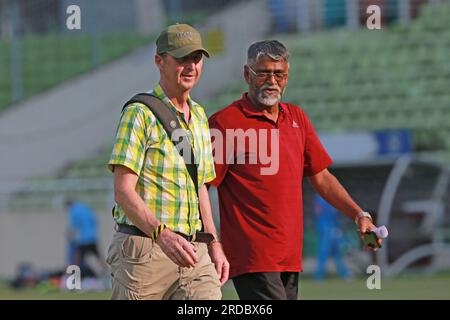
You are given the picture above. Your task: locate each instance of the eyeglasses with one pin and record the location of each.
(263, 76)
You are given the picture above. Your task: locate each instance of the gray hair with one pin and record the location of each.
(273, 49)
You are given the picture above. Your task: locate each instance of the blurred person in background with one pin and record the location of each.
(157, 252)
(330, 238)
(261, 215)
(83, 236)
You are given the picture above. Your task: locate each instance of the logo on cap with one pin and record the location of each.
(185, 35)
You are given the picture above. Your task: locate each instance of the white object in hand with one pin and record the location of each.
(381, 232)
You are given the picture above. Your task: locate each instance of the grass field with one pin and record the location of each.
(404, 288)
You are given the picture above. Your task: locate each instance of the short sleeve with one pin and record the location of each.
(316, 157)
(130, 141)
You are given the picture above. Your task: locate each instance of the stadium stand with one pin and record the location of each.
(59, 58)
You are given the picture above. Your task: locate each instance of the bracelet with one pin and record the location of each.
(158, 231)
(363, 214)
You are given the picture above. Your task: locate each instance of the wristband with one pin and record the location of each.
(158, 231)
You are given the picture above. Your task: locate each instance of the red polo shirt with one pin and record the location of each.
(261, 211)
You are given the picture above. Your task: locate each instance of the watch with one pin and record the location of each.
(361, 215)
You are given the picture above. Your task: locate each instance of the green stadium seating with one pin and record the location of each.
(346, 80)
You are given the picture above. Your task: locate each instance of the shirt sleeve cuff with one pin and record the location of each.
(113, 163)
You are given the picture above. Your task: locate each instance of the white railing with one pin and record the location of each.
(431, 224)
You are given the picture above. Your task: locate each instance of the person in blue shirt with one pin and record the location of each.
(82, 234)
(330, 237)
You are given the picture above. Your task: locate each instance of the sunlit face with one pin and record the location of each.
(184, 72)
(267, 80)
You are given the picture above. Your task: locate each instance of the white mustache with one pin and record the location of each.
(264, 87)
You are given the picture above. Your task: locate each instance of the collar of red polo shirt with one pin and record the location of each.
(250, 110)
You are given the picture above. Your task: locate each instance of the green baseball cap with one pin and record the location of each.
(179, 40)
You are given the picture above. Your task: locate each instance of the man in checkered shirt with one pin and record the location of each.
(154, 254)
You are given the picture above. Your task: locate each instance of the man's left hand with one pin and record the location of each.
(365, 224)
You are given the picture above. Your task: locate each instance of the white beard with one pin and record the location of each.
(268, 100)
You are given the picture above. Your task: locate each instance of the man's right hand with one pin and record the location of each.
(179, 250)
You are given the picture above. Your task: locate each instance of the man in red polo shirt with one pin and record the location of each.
(263, 149)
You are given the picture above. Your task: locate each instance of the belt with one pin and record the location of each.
(203, 237)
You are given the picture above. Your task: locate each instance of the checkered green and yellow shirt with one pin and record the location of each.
(142, 145)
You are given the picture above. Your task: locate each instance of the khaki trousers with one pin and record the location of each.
(141, 271)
